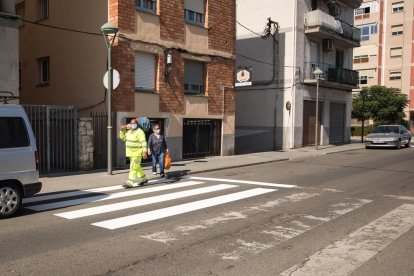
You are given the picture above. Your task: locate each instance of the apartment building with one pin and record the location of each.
(281, 102)
(386, 53)
(9, 55)
(176, 62)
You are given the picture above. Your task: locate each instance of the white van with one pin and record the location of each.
(19, 163)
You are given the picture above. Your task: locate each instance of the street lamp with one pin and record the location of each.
(109, 31)
(318, 72)
(364, 95)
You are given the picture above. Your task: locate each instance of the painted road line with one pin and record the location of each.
(410, 198)
(70, 194)
(244, 182)
(179, 209)
(81, 192)
(136, 191)
(141, 202)
(346, 255)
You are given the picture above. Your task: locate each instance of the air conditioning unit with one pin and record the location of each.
(328, 45)
(334, 10)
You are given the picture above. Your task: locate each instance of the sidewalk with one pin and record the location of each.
(89, 180)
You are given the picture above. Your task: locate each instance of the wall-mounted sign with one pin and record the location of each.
(243, 77)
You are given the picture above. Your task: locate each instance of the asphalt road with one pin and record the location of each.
(349, 213)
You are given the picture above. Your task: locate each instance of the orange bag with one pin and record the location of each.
(167, 161)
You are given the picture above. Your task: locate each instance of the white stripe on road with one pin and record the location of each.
(136, 191)
(244, 182)
(141, 202)
(83, 192)
(346, 255)
(179, 209)
(70, 194)
(401, 197)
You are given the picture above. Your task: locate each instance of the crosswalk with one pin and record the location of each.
(194, 194)
(194, 186)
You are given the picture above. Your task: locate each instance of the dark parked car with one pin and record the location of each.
(388, 136)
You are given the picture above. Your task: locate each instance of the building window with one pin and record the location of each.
(194, 11)
(361, 59)
(146, 5)
(368, 30)
(43, 9)
(44, 70)
(397, 30)
(20, 11)
(395, 75)
(194, 78)
(363, 79)
(145, 71)
(396, 52)
(364, 10)
(397, 7)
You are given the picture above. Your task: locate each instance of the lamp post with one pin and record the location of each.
(364, 95)
(318, 72)
(109, 31)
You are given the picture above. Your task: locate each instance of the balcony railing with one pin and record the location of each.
(332, 73)
(318, 18)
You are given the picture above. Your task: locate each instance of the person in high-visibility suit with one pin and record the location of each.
(136, 149)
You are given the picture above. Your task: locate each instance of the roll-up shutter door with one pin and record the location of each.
(337, 123)
(144, 71)
(195, 5)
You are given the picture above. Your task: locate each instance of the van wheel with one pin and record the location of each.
(10, 200)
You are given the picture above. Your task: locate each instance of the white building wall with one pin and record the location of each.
(294, 51)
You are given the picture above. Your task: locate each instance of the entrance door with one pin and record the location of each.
(337, 123)
(309, 110)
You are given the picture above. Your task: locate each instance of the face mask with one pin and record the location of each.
(157, 131)
(134, 126)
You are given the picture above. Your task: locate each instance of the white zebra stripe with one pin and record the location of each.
(136, 191)
(141, 202)
(179, 209)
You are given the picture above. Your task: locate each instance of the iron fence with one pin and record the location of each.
(100, 139)
(56, 131)
(201, 138)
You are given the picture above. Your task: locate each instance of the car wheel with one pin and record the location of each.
(366, 147)
(408, 143)
(398, 146)
(10, 200)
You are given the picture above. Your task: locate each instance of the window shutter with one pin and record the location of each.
(396, 51)
(144, 71)
(397, 28)
(194, 73)
(195, 5)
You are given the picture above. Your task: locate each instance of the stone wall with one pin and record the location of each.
(85, 144)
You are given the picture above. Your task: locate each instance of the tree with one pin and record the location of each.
(385, 105)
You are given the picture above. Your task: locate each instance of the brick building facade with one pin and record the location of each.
(175, 35)
(176, 61)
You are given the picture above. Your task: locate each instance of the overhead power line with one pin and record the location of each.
(250, 30)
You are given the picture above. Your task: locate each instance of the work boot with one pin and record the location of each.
(128, 184)
(143, 181)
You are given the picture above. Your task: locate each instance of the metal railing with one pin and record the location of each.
(332, 73)
(56, 132)
(318, 18)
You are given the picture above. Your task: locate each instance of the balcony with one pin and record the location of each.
(324, 26)
(332, 76)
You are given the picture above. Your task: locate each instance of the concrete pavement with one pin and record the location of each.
(88, 179)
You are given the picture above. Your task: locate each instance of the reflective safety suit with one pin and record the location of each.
(135, 145)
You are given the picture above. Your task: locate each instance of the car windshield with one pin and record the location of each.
(386, 129)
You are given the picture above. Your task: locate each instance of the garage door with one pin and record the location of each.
(337, 123)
